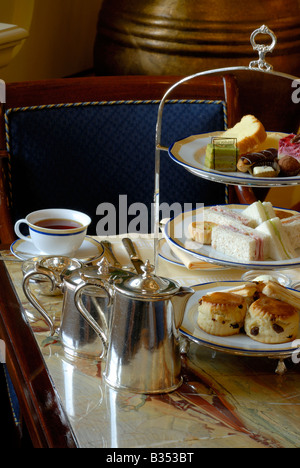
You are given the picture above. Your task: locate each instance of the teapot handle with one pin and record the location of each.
(38, 270)
(102, 332)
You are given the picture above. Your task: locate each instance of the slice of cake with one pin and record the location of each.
(289, 146)
(249, 133)
(222, 155)
(245, 136)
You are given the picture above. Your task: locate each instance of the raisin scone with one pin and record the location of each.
(222, 313)
(250, 291)
(271, 321)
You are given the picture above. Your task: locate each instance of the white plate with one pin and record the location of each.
(89, 251)
(166, 254)
(238, 344)
(176, 231)
(190, 153)
(169, 256)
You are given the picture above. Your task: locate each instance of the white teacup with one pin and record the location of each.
(55, 231)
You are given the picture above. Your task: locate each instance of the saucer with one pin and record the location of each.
(89, 251)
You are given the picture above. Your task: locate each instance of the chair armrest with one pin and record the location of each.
(245, 195)
(7, 229)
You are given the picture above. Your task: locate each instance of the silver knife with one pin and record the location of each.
(110, 254)
(134, 258)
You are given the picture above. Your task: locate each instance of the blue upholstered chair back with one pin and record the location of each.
(83, 154)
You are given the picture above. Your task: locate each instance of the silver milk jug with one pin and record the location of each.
(142, 339)
(60, 265)
(94, 284)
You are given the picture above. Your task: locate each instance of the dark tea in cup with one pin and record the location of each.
(58, 223)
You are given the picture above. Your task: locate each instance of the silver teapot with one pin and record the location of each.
(130, 320)
(94, 282)
(142, 337)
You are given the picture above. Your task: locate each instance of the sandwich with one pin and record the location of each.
(291, 227)
(225, 216)
(281, 248)
(241, 242)
(260, 212)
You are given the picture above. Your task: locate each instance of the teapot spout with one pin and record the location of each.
(179, 301)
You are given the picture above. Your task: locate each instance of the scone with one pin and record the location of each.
(279, 292)
(221, 313)
(271, 321)
(249, 291)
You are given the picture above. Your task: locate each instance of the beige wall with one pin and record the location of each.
(62, 35)
(60, 44)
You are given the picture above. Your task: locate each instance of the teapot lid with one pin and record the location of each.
(103, 270)
(147, 285)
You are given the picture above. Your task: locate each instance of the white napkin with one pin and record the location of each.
(190, 262)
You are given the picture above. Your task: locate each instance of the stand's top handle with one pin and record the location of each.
(262, 49)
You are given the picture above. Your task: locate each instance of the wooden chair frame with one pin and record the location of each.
(89, 89)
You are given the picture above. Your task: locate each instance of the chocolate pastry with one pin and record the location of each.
(289, 166)
(268, 158)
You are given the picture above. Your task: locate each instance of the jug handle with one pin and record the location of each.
(91, 321)
(32, 298)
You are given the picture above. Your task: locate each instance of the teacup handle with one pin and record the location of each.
(101, 332)
(31, 297)
(18, 232)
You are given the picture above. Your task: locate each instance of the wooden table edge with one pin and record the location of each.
(40, 404)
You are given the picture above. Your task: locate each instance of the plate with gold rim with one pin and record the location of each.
(176, 234)
(239, 344)
(190, 153)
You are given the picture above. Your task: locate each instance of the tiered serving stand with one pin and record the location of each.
(187, 161)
